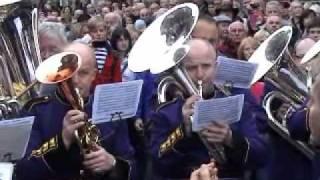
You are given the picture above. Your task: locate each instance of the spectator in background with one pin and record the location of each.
(98, 32)
(66, 15)
(237, 31)
(121, 43)
(261, 36)
(164, 4)
(273, 8)
(77, 13)
(145, 14)
(223, 23)
(105, 10)
(154, 7)
(228, 10)
(113, 20)
(211, 9)
(90, 10)
(108, 64)
(273, 23)
(296, 10)
(100, 6)
(313, 30)
(247, 47)
(52, 39)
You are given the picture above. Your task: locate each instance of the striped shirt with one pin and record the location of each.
(101, 54)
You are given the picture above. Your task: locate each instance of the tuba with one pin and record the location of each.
(290, 89)
(161, 48)
(59, 69)
(19, 54)
(308, 61)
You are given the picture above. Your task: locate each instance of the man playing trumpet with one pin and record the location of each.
(53, 153)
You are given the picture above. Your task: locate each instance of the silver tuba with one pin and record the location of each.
(310, 62)
(290, 89)
(19, 53)
(161, 48)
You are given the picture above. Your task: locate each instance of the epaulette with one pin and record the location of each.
(46, 147)
(38, 100)
(171, 140)
(163, 105)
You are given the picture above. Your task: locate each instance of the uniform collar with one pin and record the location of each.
(61, 98)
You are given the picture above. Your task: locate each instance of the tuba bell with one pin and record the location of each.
(19, 53)
(310, 62)
(161, 48)
(290, 89)
(59, 69)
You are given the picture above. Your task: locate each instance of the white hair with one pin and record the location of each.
(53, 29)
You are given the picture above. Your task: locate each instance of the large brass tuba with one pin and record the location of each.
(59, 69)
(290, 89)
(19, 53)
(161, 48)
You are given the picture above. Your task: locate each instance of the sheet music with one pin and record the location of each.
(14, 137)
(227, 109)
(114, 100)
(6, 171)
(235, 72)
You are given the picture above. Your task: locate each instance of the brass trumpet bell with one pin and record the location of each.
(58, 68)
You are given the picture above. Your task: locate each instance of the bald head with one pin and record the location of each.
(200, 64)
(200, 48)
(87, 72)
(86, 53)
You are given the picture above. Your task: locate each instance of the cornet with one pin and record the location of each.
(59, 69)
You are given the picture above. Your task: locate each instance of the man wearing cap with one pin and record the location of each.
(223, 23)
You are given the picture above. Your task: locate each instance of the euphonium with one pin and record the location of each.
(161, 48)
(19, 52)
(59, 69)
(290, 86)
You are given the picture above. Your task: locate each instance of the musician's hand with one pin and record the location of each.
(99, 161)
(218, 132)
(205, 172)
(188, 106)
(188, 109)
(72, 121)
(138, 124)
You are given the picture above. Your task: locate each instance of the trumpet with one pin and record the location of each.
(59, 69)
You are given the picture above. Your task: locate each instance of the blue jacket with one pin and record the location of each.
(176, 155)
(46, 156)
(286, 162)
